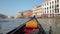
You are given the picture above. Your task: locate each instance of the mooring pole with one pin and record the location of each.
(50, 30)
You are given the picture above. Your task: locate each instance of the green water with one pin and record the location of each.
(47, 22)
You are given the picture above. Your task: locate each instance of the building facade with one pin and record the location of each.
(51, 8)
(19, 14)
(37, 11)
(10, 16)
(27, 13)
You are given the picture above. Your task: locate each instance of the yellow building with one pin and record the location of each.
(10, 16)
(37, 11)
(19, 14)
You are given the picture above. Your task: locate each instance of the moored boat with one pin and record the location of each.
(33, 28)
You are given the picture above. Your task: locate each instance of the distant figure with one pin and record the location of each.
(50, 30)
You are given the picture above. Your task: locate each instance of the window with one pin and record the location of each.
(43, 5)
(57, 0)
(50, 11)
(57, 11)
(47, 11)
(57, 5)
(53, 11)
(50, 7)
(47, 3)
(47, 8)
(52, 2)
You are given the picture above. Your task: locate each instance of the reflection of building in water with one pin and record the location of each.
(57, 22)
(37, 10)
(51, 7)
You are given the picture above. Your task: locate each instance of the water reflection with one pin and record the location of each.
(47, 22)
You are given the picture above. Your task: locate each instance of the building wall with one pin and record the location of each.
(59, 6)
(19, 14)
(27, 13)
(37, 11)
(50, 7)
(10, 16)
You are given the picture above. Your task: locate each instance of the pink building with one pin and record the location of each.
(27, 13)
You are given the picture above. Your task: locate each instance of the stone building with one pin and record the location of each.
(27, 13)
(37, 11)
(51, 8)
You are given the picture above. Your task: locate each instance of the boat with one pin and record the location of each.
(23, 30)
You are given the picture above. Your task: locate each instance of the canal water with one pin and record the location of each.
(53, 22)
(7, 25)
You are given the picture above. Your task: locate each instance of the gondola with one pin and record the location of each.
(21, 29)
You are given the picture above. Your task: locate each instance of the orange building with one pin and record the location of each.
(27, 13)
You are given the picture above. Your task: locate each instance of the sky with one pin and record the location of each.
(11, 7)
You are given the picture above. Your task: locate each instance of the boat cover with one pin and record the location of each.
(31, 24)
